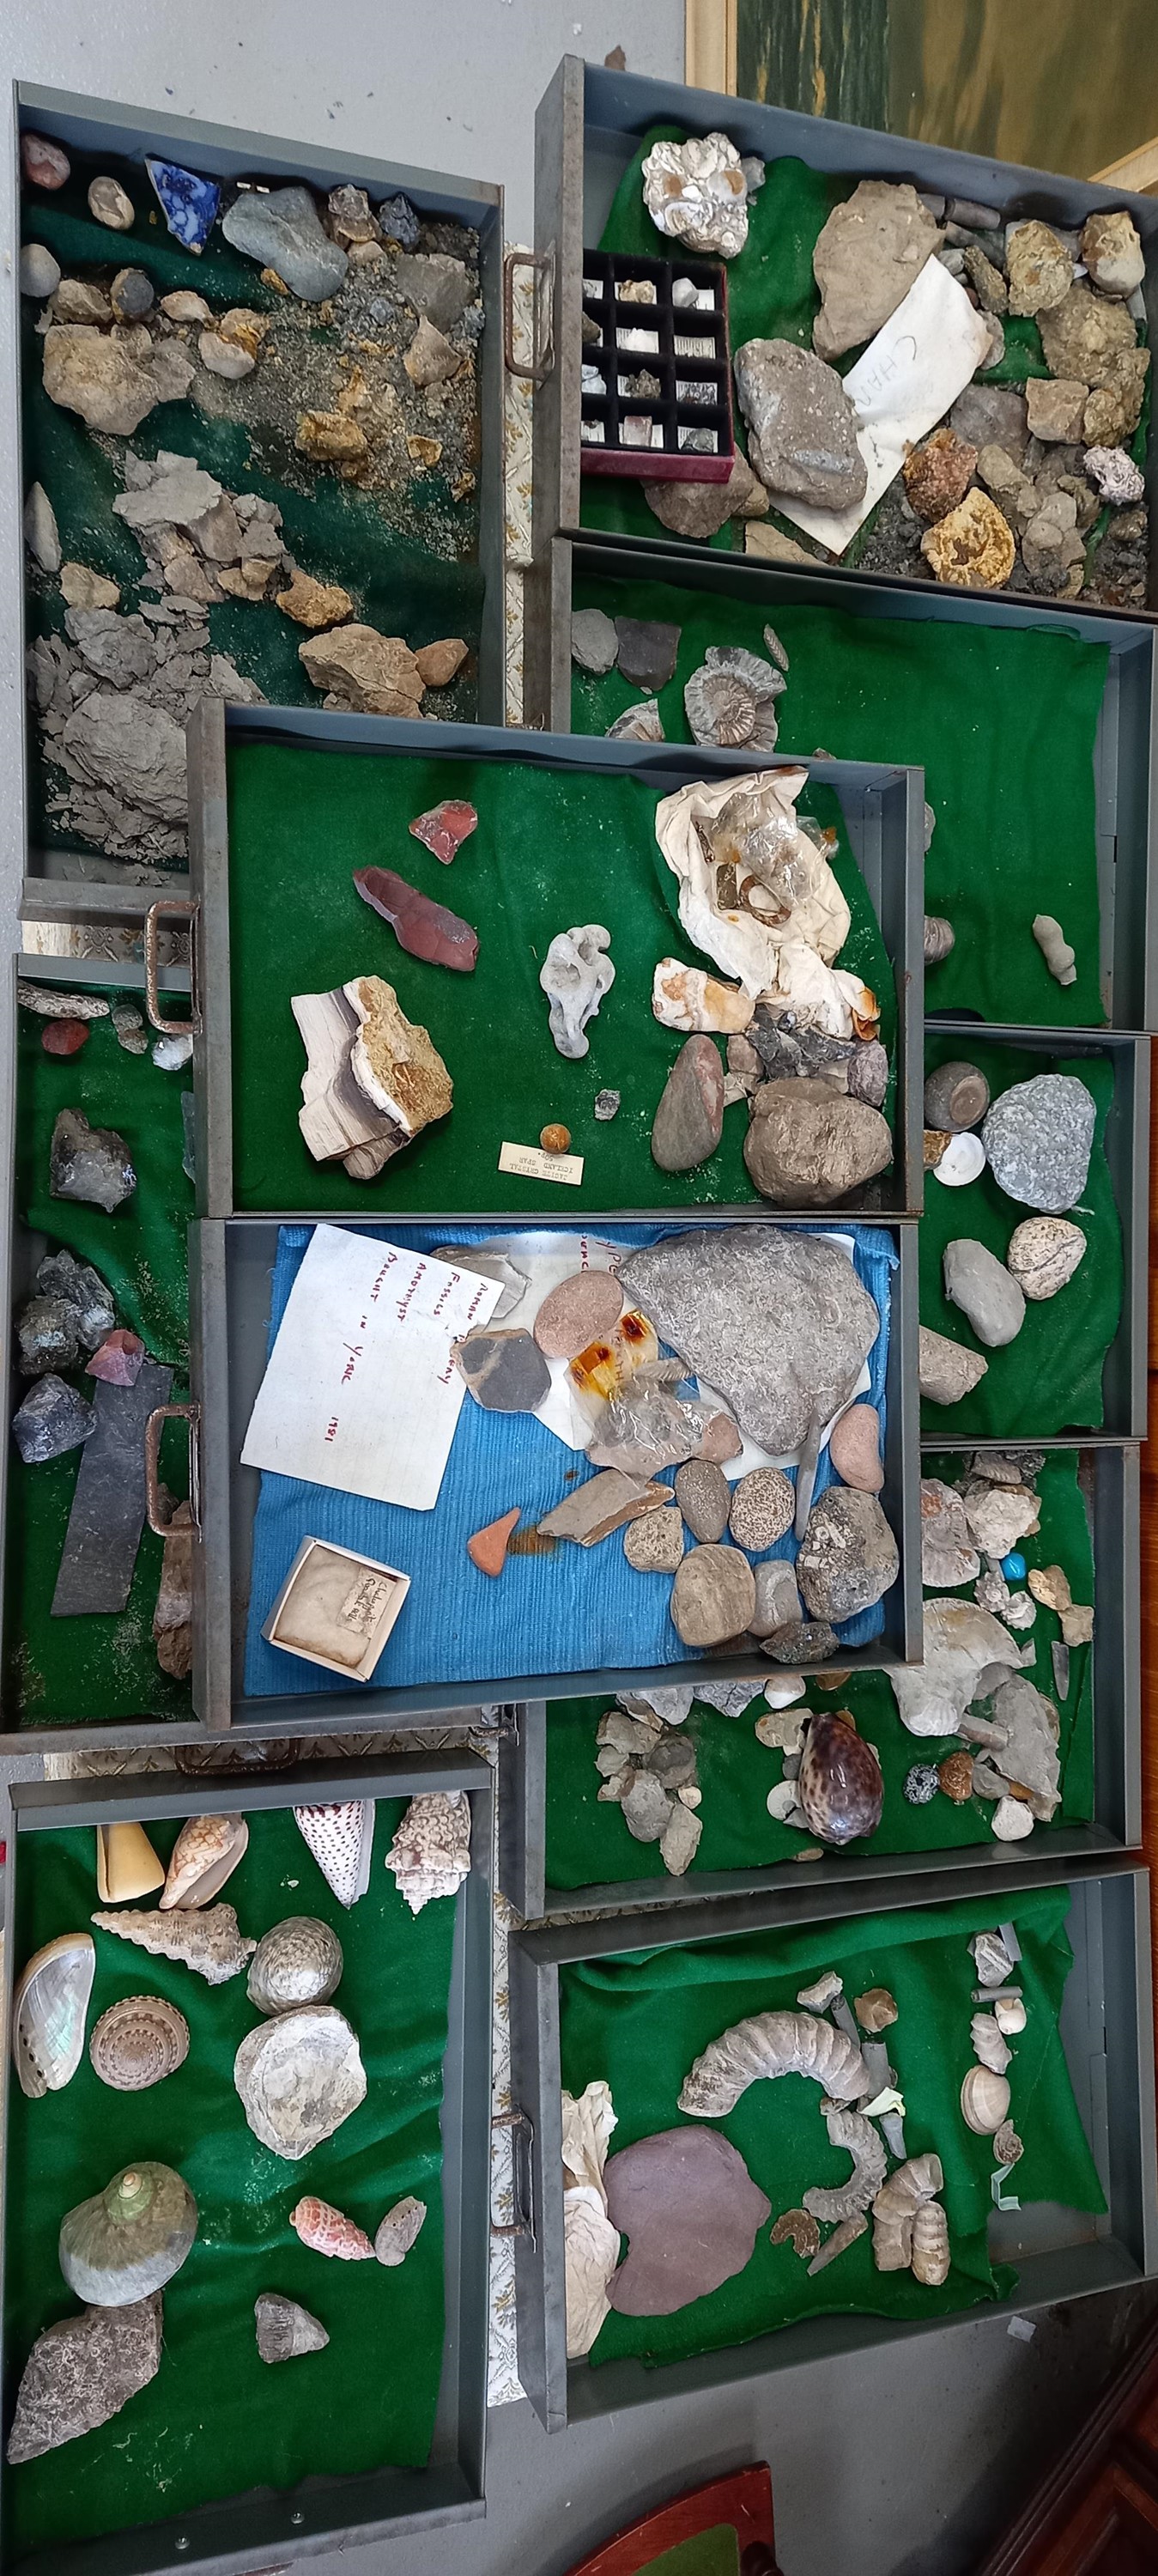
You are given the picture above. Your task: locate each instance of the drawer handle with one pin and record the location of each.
(183, 909)
(542, 266)
(522, 2199)
(190, 1413)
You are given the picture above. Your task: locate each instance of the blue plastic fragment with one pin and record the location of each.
(1013, 1567)
(398, 222)
(189, 203)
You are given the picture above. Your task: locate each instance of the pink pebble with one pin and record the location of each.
(445, 827)
(64, 1037)
(118, 1360)
(855, 1448)
(44, 162)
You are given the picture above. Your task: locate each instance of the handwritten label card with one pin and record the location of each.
(532, 1164)
(361, 1391)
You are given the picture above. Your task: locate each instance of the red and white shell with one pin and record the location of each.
(326, 2231)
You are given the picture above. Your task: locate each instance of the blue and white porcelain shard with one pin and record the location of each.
(398, 222)
(188, 202)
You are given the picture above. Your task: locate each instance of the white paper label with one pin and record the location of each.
(532, 1164)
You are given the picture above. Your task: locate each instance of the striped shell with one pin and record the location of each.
(298, 1962)
(984, 2100)
(138, 2042)
(325, 2231)
(770, 2044)
(205, 1854)
(284, 2329)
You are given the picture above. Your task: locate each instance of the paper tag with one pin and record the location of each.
(365, 1603)
(532, 1164)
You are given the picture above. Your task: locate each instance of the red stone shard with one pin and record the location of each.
(118, 1361)
(445, 827)
(64, 1037)
(488, 1548)
(424, 928)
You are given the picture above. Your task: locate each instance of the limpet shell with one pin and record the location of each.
(48, 2013)
(984, 2101)
(298, 1962)
(205, 1854)
(399, 2231)
(138, 2042)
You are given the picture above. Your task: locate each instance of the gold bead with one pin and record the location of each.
(554, 1140)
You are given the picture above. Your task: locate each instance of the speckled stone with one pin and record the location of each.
(763, 1507)
(1038, 1136)
(713, 1595)
(581, 1310)
(813, 1642)
(848, 1556)
(704, 1497)
(655, 1544)
(921, 1784)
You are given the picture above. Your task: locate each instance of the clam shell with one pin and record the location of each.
(399, 2230)
(299, 2076)
(127, 1864)
(138, 2042)
(205, 1854)
(129, 2238)
(326, 2231)
(341, 1839)
(208, 1943)
(48, 2013)
(984, 2100)
(284, 2329)
(298, 1962)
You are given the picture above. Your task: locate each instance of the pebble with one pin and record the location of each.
(130, 1029)
(39, 272)
(812, 1642)
(64, 1037)
(397, 222)
(848, 1556)
(946, 1370)
(654, 1544)
(108, 205)
(505, 1371)
(854, 1449)
(606, 1105)
(963, 1161)
(171, 1053)
(43, 163)
(52, 1419)
(1044, 1252)
(647, 1808)
(955, 1777)
(689, 1121)
(283, 230)
(778, 1603)
(956, 1097)
(869, 253)
(808, 1145)
(225, 358)
(41, 535)
(704, 1497)
(972, 545)
(921, 1784)
(555, 1140)
(1040, 269)
(184, 306)
(1012, 1820)
(131, 294)
(802, 425)
(594, 643)
(487, 1548)
(1111, 252)
(868, 1072)
(762, 1510)
(986, 280)
(1038, 1136)
(698, 509)
(1084, 331)
(713, 1596)
(646, 651)
(1054, 408)
(582, 1309)
(977, 1282)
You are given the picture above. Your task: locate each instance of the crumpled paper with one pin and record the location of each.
(590, 2242)
(780, 960)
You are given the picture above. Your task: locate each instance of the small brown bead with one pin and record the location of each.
(955, 1774)
(554, 1140)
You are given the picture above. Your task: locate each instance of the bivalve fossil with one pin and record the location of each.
(984, 2100)
(138, 2042)
(298, 1962)
(129, 2238)
(48, 2013)
(988, 2045)
(205, 1854)
(930, 2244)
(299, 2076)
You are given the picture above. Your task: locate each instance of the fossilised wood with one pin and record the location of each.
(373, 1080)
(423, 928)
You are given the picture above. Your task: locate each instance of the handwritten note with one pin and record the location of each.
(361, 1392)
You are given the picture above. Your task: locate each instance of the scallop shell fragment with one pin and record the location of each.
(984, 2101)
(205, 1854)
(298, 1962)
(299, 2076)
(341, 1839)
(284, 2329)
(399, 2231)
(210, 1944)
(48, 2013)
(138, 2042)
(326, 2231)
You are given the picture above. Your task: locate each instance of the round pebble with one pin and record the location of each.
(108, 205)
(1013, 1567)
(713, 1596)
(581, 1310)
(554, 1140)
(39, 272)
(763, 1508)
(962, 1161)
(921, 1784)
(854, 1449)
(955, 1774)
(956, 1096)
(654, 1544)
(721, 1440)
(704, 1497)
(1044, 1252)
(43, 162)
(131, 294)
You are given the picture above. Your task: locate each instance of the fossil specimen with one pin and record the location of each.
(205, 1854)
(988, 2045)
(876, 2010)
(1055, 948)
(771, 2044)
(284, 2329)
(299, 2076)
(991, 1958)
(984, 2100)
(48, 2013)
(731, 699)
(129, 2238)
(839, 2241)
(81, 2372)
(341, 1839)
(137, 2042)
(324, 2229)
(430, 1853)
(930, 2244)
(794, 2227)
(895, 2208)
(399, 2230)
(696, 193)
(849, 2130)
(575, 975)
(816, 1997)
(298, 1962)
(209, 1943)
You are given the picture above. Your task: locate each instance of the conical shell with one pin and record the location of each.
(129, 2238)
(299, 2076)
(298, 1962)
(81, 2372)
(284, 2329)
(326, 2231)
(984, 2100)
(48, 2013)
(138, 2042)
(209, 1943)
(205, 1854)
(398, 2231)
(341, 1839)
(127, 1864)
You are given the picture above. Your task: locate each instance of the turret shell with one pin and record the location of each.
(138, 2042)
(326, 2231)
(298, 1962)
(209, 1943)
(48, 2013)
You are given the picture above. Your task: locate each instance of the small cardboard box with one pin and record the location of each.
(331, 1615)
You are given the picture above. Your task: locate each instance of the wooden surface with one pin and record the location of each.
(743, 2501)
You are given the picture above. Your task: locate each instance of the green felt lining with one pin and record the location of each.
(98, 1668)
(217, 2421)
(638, 2021)
(553, 849)
(1049, 1378)
(587, 1841)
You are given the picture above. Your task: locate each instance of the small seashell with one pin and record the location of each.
(940, 938)
(1009, 2014)
(48, 2013)
(210, 1943)
(298, 1962)
(284, 2329)
(1007, 2146)
(326, 2231)
(955, 1774)
(430, 1853)
(129, 2238)
(299, 2076)
(984, 2100)
(930, 2244)
(138, 2042)
(399, 2230)
(876, 2010)
(127, 1864)
(341, 1840)
(797, 2228)
(988, 2045)
(205, 1854)
(991, 1959)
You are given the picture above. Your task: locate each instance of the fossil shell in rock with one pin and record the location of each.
(794, 2227)
(129, 2238)
(298, 1962)
(299, 2076)
(81, 2372)
(770, 2044)
(991, 1959)
(984, 2100)
(205, 1854)
(208, 1943)
(860, 2140)
(326, 2231)
(1007, 2146)
(284, 2329)
(731, 699)
(430, 1853)
(127, 1864)
(895, 2209)
(399, 2230)
(48, 2013)
(341, 1839)
(138, 2042)
(930, 2244)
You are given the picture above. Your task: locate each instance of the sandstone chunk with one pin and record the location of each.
(802, 424)
(431, 359)
(438, 664)
(314, 603)
(1083, 333)
(330, 438)
(113, 380)
(690, 1118)
(1054, 407)
(1112, 252)
(375, 674)
(713, 1596)
(868, 254)
(1044, 1252)
(1040, 269)
(808, 1146)
(938, 474)
(946, 1370)
(698, 509)
(854, 1448)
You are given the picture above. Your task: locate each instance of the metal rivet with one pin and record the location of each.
(182, 2540)
(297, 2517)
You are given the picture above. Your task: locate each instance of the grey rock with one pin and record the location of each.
(41, 535)
(505, 1371)
(120, 650)
(119, 738)
(848, 1556)
(1038, 1137)
(869, 253)
(808, 1146)
(654, 1544)
(787, 1049)
(593, 640)
(956, 1097)
(61, 1275)
(946, 1370)
(778, 1603)
(606, 1105)
(980, 1284)
(813, 1642)
(986, 280)
(647, 1808)
(39, 272)
(89, 1163)
(398, 222)
(948, 1557)
(283, 230)
(113, 379)
(47, 1336)
(992, 416)
(713, 1596)
(868, 1072)
(698, 509)
(977, 219)
(188, 1134)
(704, 1497)
(1030, 1752)
(438, 287)
(671, 1758)
(778, 1322)
(802, 425)
(763, 1509)
(52, 1418)
(730, 1698)
(679, 1841)
(81, 2372)
(646, 651)
(689, 1120)
(1007, 1466)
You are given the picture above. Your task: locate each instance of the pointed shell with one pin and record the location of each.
(988, 2045)
(326, 2231)
(930, 2244)
(138, 2042)
(430, 1853)
(208, 1943)
(48, 2013)
(984, 2100)
(205, 1854)
(299, 2076)
(398, 2231)
(127, 1864)
(298, 1962)
(284, 2329)
(129, 2238)
(340, 1838)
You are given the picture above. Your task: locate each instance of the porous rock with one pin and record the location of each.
(763, 1508)
(113, 381)
(82, 2371)
(1040, 269)
(698, 509)
(802, 426)
(1083, 334)
(808, 1146)
(704, 1497)
(848, 1556)
(777, 1321)
(972, 545)
(937, 474)
(868, 254)
(1043, 1254)
(854, 1448)
(977, 1282)
(1111, 252)
(1116, 477)
(1038, 1137)
(713, 1595)
(654, 1544)
(945, 1369)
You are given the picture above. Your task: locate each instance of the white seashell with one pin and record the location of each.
(962, 1161)
(341, 1840)
(784, 1806)
(930, 2244)
(895, 2209)
(299, 2076)
(48, 2013)
(1012, 1820)
(430, 1853)
(785, 1692)
(984, 2100)
(1010, 2016)
(988, 2045)
(138, 2042)
(284, 2329)
(205, 1854)
(770, 2044)
(399, 2231)
(298, 1962)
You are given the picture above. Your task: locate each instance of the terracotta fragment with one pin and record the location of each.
(488, 1547)
(423, 928)
(64, 1037)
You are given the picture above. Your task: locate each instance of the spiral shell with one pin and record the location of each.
(989, 2048)
(326, 2231)
(284, 2329)
(205, 1854)
(984, 2101)
(298, 1962)
(895, 2210)
(940, 938)
(138, 2042)
(130, 2238)
(210, 1943)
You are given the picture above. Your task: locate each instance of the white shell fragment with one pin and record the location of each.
(1012, 1820)
(590, 2242)
(962, 1161)
(299, 2076)
(988, 2045)
(399, 2231)
(1009, 2014)
(696, 193)
(815, 1998)
(298, 1962)
(430, 1853)
(991, 1959)
(575, 975)
(48, 2013)
(960, 1643)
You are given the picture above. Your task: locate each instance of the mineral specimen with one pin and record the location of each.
(808, 1146)
(1038, 1136)
(504, 1370)
(696, 193)
(848, 1557)
(81, 2372)
(425, 929)
(946, 1370)
(372, 673)
(972, 545)
(444, 829)
(280, 228)
(576, 974)
(778, 1322)
(691, 2213)
(985, 1291)
(802, 426)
